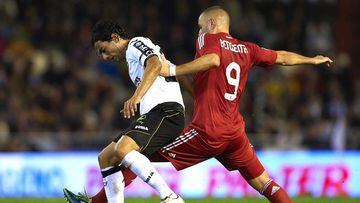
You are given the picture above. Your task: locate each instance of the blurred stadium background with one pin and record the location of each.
(59, 105)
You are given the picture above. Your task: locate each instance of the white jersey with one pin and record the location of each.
(162, 90)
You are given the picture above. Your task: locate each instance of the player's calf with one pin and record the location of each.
(100, 197)
(143, 168)
(114, 184)
(113, 178)
(271, 190)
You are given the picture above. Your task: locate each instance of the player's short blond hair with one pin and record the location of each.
(217, 10)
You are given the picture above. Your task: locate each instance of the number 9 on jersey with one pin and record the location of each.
(232, 81)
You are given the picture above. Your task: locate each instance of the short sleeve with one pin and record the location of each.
(141, 48)
(262, 56)
(208, 44)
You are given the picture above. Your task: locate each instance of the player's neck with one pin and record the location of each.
(220, 31)
(125, 45)
(224, 31)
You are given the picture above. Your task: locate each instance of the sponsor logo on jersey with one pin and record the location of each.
(140, 127)
(141, 46)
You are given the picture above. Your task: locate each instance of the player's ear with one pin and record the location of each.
(115, 37)
(212, 24)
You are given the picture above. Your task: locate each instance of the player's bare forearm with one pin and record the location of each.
(186, 82)
(200, 64)
(287, 58)
(152, 70)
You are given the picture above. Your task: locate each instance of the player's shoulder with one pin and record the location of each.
(139, 44)
(207, 38)
(138, 41)
(216, 38)
(254, 47)
(239, 41)
(249, 45)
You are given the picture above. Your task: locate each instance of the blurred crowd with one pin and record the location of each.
(56, 95)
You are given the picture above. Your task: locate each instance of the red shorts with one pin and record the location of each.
(193, 147)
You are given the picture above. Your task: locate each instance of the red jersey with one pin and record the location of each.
(218, 89)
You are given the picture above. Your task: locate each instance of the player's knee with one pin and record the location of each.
(102, 159)
(124, 146)
(120, 153)
(121, 150)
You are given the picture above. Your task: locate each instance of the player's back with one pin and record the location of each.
(218, 90)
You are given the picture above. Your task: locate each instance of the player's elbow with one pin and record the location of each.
(154, 64)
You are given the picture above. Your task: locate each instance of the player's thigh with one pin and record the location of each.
(240, 155)
(186, 150)
(156, 128)
(170, 126)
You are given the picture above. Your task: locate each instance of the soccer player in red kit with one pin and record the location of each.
(217, 128)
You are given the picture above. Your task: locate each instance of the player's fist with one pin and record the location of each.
(322, 60)
(165, 66)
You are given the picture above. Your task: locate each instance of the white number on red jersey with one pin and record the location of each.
(232, 81)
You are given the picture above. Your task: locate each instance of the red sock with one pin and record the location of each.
(129, 176)
(273, 192)
(100, 197)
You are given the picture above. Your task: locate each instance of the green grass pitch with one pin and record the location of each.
(205, 200)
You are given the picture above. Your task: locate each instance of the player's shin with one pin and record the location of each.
(273, 192)
(100, 197)
(143, 168)
(114, 184)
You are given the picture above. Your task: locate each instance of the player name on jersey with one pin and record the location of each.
(237, 48)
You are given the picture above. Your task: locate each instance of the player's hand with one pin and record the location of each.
(322, 60)
(165, 66)
(130, 107)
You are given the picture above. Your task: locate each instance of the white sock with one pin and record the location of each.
(143, 168)
(114, 186)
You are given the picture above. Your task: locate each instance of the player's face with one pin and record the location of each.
(107, 50)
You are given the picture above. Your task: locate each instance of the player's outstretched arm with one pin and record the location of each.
(287, 58)
(152, 70)
(200, 64)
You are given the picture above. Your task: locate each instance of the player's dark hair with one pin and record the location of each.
(103, 29)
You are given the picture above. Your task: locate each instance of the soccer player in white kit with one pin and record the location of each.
(161, 114)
